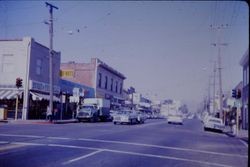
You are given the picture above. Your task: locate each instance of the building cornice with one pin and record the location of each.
(245, 58)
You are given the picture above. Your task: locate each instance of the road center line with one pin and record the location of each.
(98, 150)
(13, 135)
(150, 124)
(166, 157)
(116, 151)
(4, 142)
(129, 143)
(59, 138)
(82, 157)
(163, 147)
(71, 146)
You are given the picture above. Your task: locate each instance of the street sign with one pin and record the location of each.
(238, 103)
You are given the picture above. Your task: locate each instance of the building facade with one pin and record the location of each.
(106, 81)
(29, 60)
(244, 62)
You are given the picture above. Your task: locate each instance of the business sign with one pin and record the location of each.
(74, 99)
(43, 87)
(78, 92)
(67, 73)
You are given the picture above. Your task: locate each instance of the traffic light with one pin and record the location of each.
(238, 94)
(234, 93)
(19, 82)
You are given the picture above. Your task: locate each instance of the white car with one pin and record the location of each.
(126, 116)
(141, 117)
(176, 119)
(213, 123)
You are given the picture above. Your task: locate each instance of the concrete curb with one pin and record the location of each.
(3, 121)
(38, 121)
(244, 139)
(65, 121)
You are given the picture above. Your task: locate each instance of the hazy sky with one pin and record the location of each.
(162, 47)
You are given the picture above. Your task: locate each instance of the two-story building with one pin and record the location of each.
(29, 60)
(244, 62)
(106, 81)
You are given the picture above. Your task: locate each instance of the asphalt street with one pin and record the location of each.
(154, 143)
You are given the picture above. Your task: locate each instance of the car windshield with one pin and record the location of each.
(87, 107)
(215, 121)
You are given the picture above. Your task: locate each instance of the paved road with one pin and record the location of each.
(154, 143)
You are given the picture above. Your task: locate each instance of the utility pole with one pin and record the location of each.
(51, 7)
(219, 28)
(214, 86)
(209, 93)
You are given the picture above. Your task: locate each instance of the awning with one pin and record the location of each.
(9, 94)
(39, 96)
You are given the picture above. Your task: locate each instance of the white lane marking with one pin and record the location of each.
(28, 144)
(245, 144)
(30, 136)
(59, 138)
(149, 124)
(163, 147)
(4, 142)
(166, 157)
(131, 143)
(10, 146)
(71, 146)
(82, 157)
(118, 151)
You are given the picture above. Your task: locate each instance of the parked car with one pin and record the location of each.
(213, 123)
(113, 113)
(176, 119)
(141, 117)
(125, 116)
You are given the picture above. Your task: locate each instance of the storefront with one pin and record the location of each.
(8, 100)
(39, 99)
(28, 60)
(71, 95)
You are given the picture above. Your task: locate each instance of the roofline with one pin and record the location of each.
(107, 67)
(58, 52)
(244, 58)
(17, 39)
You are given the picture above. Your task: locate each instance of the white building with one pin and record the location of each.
(29, 60)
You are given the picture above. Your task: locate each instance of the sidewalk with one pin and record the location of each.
(42, 121)
(242, 133)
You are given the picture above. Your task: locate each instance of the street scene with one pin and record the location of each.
(155, 143)
(124, 83)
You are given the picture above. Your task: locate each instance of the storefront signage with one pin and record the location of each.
(43, 87)
(67, 73)
(78, 92)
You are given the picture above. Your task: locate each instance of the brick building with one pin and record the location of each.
(106, 81)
